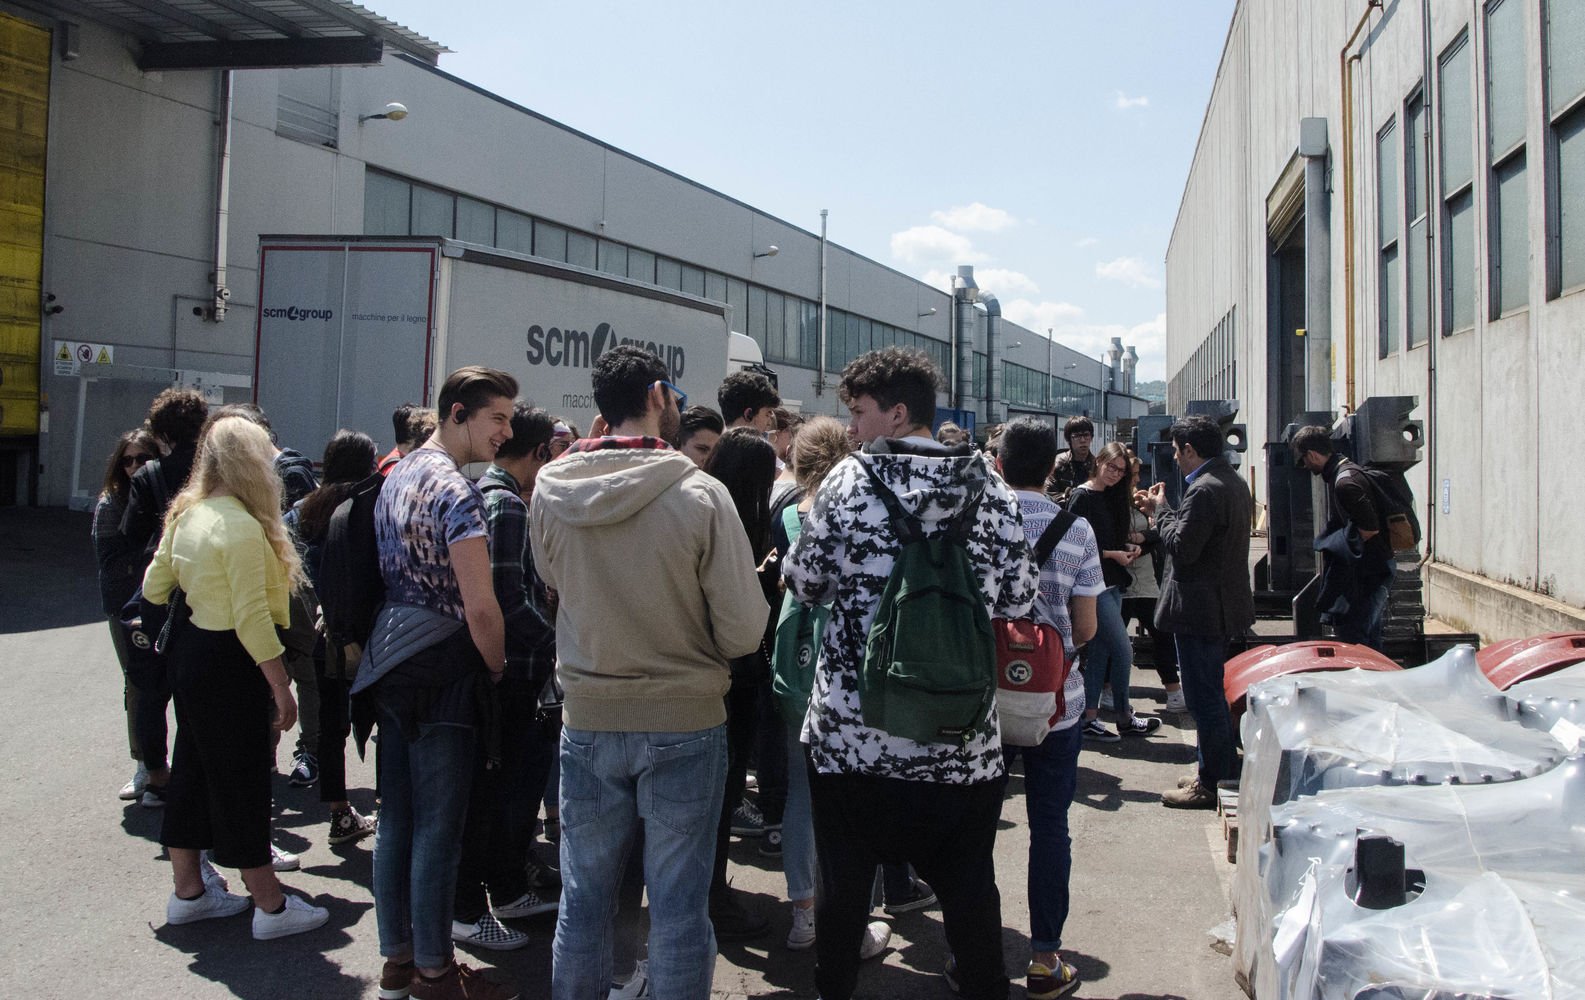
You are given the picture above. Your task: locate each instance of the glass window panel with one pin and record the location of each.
(1511, 255)
(1458, 165)
(1571, 199)
(1505, 74)
(1387, 184)
(737, 298)
(1565, 53)
(387, 202)
(1389, 301)
(809, 351)
(613, 257)
(792, 318)
(1414, 284)
(756, 315)
(693, 280)
(475, 221)
(668, 273)
(550, 241)
(1414, 158)
(581, 249)
(775, 326)
(432, 212)
(514, 232)
(715, 286)
(641, 265)
(1458, 264)
(851, 337)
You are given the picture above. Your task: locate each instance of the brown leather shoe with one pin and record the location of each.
(461, 983)
(1193, 796)
(396, 980)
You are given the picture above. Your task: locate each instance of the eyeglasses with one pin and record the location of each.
(1086, 435)
(138, 459)
(1121, 470)
(682, 397)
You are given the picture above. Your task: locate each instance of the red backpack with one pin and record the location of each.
(1031, 662)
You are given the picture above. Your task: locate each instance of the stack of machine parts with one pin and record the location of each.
(1412, 834)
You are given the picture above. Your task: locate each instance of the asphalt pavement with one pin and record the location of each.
(83, 880)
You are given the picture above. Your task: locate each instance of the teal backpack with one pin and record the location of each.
(797, 646)
(929, 671)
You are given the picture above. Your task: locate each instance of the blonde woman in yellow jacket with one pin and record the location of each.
(227, 550)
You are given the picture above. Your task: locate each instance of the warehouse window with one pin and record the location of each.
(549, 241)
(1416, 271)
(580, 249)
(514, 232)
(387, 204)
(1388, 270)
(1565, 80)
(433, 212)
(613, 258)
(1506, 72)
(307, 106)
(640, 265)
(475, 222)
(1457, 189)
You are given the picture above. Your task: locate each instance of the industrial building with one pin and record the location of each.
(157, 141)
(1389, 200)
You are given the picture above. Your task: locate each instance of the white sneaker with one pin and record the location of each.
(210, 874)
(215, 902)
(636, 988)
(1175, 702)
(133, 789)
(802, 935)
(488, 932)
(877, 935)
(284, 861)
(297, 916)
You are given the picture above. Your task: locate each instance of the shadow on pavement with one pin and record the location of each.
(48, 575)
(224, 951)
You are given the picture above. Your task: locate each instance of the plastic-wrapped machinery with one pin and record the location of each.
(1310, 734)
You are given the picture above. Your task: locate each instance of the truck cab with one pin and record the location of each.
(744, 355)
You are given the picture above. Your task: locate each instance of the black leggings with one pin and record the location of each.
(1164, 652)
(335, 725)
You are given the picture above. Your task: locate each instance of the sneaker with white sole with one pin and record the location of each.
(1045, 983)
(802, 935)
(305, 769)
(637, 985)
(919, 897)
(747, 821)
(215, 902)
(133, 790)
(284, 861)
(489, 933)
(1139, 725)
(153, 797)
(1175, 703)
(1096, 730)
(529, 904)
(877, 935)
(346, 826)
(297, 916)
(210, 874)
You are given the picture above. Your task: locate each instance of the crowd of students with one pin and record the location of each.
(589, 627)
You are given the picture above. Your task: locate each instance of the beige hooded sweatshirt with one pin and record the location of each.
(656, 584)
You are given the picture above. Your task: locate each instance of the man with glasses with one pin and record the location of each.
(658, 592)
(1076, 464)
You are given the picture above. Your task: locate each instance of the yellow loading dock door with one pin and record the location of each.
(24, 115)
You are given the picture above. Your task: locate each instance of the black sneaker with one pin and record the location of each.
(733, 921)
(541, 874)
(747, 821)
(305, 769)
(1139, 725)
(919, 897)
(770, 844)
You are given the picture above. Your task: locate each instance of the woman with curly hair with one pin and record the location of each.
(226, 567)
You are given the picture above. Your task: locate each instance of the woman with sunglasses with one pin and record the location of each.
(1103, 500)
(120, 572)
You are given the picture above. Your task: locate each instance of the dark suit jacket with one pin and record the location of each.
(1205, 589)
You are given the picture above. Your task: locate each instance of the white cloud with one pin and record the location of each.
(1126, 103)
(1042, 315)
(1005, 283)
(1088, 241)
(933, 245)
(1148, 339)
(1129, 270)
(977, 217)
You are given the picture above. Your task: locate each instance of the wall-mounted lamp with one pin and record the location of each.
(393, 112)
(928, 312)
(769, 251)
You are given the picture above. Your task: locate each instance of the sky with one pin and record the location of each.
(1046, 143)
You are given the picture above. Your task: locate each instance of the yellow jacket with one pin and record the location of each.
(217, 553)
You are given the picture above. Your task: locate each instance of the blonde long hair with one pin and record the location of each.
(235, 454)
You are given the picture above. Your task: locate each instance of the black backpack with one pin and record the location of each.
(1396, 502)
(351, 590)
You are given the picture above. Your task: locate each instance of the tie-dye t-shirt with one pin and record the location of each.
(425, 507)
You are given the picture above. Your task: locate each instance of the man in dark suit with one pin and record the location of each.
(1205, 593)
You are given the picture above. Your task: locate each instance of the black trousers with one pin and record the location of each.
(742, 729)
(947, 832)
(219, 793)
(335, 725)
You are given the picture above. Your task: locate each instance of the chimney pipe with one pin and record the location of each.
(964, 294)
(994, 413)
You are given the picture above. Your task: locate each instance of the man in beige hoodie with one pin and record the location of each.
(658, 591)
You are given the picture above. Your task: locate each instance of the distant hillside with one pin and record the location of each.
(1155, 391)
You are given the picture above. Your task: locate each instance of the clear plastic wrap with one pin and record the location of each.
(1554, 703)
(1304, 734)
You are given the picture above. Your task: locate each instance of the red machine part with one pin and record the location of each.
(1255, 665)
(1507, 663)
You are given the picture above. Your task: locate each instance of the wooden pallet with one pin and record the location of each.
(1227, 809)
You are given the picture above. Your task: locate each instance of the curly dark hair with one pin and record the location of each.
(532, 428)
(622, 378)
(745, 392)
(177, 416)
(1312, 438)
(894, 375)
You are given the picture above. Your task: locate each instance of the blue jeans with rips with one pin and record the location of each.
(424, 786)
(611, 783)
(1200, 661)
(1051, 774)
(1109, 656)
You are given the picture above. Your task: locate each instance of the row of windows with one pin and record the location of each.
(1030, 388)
(1503, 173)
(1212, 370)
(786, 327)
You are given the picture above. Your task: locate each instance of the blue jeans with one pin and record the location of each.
(797, 825)
(1051, 773)
(1109, 656)
(1362, 624)
(424, 788)
(1200, 660)
(671, 783)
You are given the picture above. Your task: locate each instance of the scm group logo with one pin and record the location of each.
(297, 313)
(580, 349)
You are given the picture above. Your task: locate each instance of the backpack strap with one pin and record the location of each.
(790, 521)
(905, 524)
(1055, 532)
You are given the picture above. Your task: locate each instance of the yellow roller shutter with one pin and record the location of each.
(24, 116)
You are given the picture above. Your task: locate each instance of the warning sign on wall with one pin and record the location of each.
(70, 355)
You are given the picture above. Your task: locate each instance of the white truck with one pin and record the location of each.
(349, 328)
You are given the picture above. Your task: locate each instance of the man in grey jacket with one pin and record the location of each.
(657, 592)
(1205, 593)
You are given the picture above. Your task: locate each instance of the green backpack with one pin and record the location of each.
(929, 670)
(797, 646)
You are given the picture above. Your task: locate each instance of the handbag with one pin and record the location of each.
(177, 614)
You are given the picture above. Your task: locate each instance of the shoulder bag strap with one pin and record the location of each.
(1052, 537)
